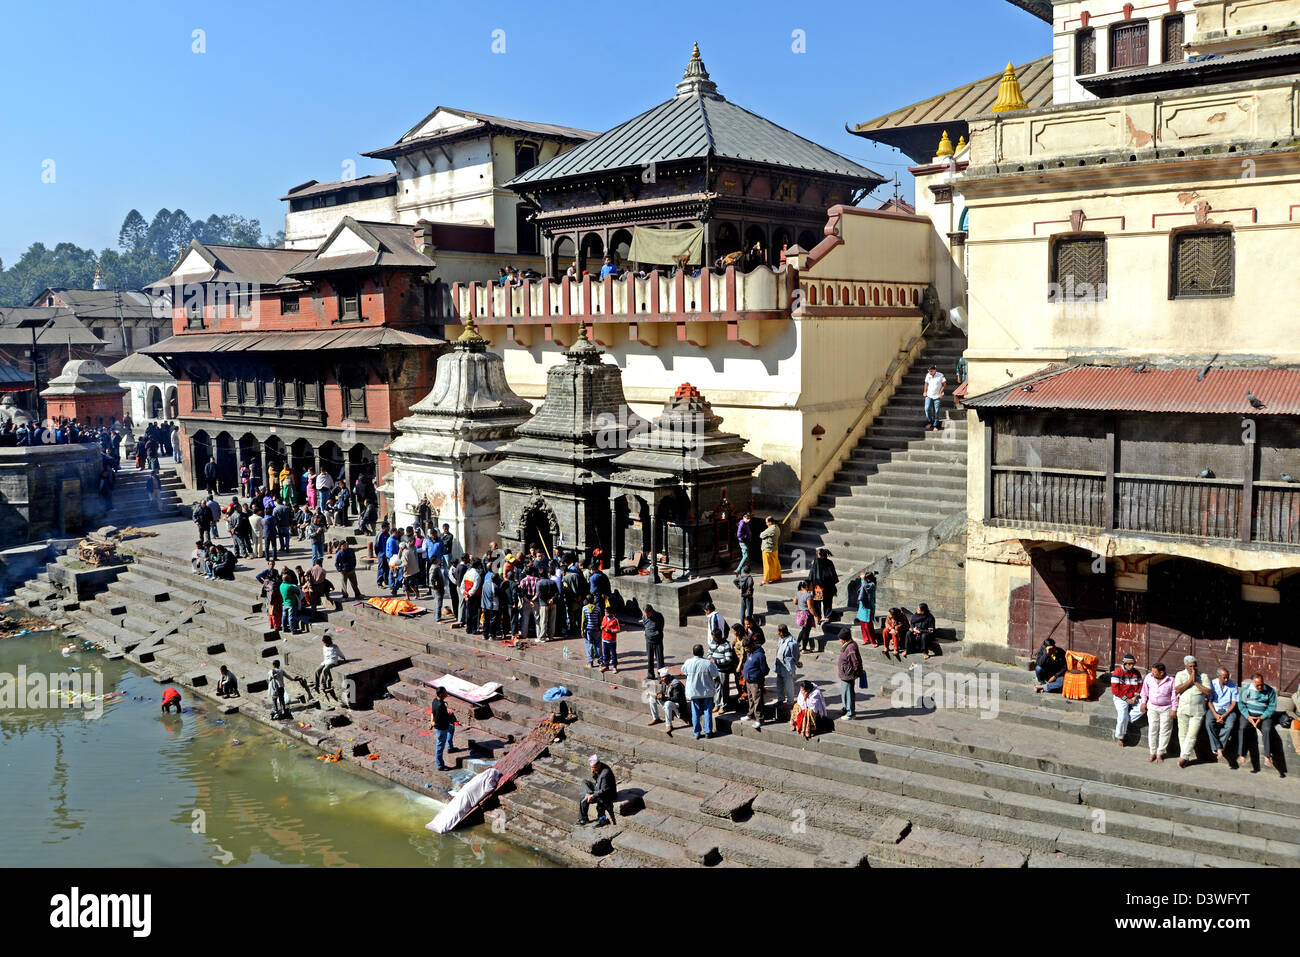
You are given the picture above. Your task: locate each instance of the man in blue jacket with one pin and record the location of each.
(381, 571)
(755, 671)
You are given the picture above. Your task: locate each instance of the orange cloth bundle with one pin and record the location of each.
(395, 606)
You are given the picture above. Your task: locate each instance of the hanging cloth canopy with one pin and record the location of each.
(663, 246)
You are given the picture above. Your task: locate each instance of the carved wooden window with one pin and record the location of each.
(1172, 51)
(352, 383)
(199, 394)
(289, 304)
(310, 392)
(1128, 46)
(349, 291)
(1202, 264)
(1078, 269)
(1085, 46)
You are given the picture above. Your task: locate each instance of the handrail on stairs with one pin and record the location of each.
(910, 352)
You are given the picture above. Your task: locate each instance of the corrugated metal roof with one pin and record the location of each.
(239, 264)
(65, 327)
(391, 245)
(967, 101)
(1216, 68)
(484, 122)
(693, 124)
(313, 188)
(313, 341)
(138, 365)
(1222, 391)
(104, 303)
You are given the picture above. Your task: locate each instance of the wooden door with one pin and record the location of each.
(1051, 597)
(1131, 627)
(1092, 615)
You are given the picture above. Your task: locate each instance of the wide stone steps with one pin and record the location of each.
(613, 712)
(949, 772)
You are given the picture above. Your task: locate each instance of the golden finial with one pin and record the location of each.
(471, 333)
(695, 54)
(582, 328)
(945, 145)
(961, 143)
(1010, 96)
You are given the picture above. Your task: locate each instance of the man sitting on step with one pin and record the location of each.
(600, 790)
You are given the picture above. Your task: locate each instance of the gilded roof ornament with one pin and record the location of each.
(1010, 96)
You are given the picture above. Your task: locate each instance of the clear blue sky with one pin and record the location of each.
(113, 93)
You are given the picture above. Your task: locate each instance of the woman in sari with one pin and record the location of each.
(305, 585)
(311, 488)
(809, 709)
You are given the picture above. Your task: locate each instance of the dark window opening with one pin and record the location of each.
(1172, 51)
(1078, 269)
(199, 393)
(526, 232)
(1202, 264)
(525, 157)
(1085, 59)
(289, 305)
(349, 299)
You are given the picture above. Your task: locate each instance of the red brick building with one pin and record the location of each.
(301, 357)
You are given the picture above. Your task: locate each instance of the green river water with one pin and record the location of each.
(136, 788)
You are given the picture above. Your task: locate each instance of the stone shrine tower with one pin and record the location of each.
(554, 478)
(84, 391)
(450, 438)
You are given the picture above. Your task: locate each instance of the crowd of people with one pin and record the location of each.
(1217, 713)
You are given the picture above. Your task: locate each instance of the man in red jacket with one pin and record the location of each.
(171, 697)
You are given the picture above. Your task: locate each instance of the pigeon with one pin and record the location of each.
(1029, 388)
(1206, 472)
(1141, 368)
(1206, 371)
(1254, 400)
(1289, 478)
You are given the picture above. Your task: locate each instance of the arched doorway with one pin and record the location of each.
(621, 245)
(538, 527)
(227, 463)
(200, 454)
(154, 407)
(250, 454)
(276, 453)
(807, 239)
(593, 253)
(171, 402)
(782, 236)
(565, 255)
(331, 459)
(727, 239)
(756, 240)
(361, 461)
(301, 456)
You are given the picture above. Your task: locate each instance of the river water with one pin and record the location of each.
(134, 787)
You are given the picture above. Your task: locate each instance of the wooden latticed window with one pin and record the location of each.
(1085, 52)
(1128, 46)
(1202, 264)
(353, 385)
(199, 395)
(1172, 46)
(1078, 269)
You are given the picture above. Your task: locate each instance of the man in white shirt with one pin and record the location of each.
(933, 390)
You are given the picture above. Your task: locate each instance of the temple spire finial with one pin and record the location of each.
(945, 145)
(695, 81)
(1010, 96)
(471, 333)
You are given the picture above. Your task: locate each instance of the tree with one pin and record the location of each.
(133, 233)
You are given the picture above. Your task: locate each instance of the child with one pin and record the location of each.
(199, 559)
(609, 641)
(227, 686)
(591, 631)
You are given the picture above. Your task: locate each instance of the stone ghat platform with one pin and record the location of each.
(1038, 784)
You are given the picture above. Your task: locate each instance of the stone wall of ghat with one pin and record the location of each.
(48, 490)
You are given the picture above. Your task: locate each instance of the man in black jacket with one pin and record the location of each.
(600, 790)
(345, 563)
(653, 623)
(210, 476)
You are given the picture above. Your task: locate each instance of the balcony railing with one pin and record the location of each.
(1210, 509)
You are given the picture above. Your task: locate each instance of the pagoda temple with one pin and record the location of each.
(695, 177)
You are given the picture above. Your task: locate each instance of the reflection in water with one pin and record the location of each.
(139, 788)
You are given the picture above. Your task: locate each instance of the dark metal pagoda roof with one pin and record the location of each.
(696, 123)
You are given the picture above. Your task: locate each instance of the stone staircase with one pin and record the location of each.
(906, 785)
(131, 505)
(896, 486)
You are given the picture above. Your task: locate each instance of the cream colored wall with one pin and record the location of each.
(307, 228)
(1015, 328)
